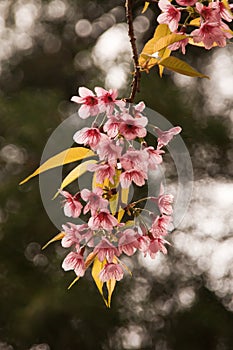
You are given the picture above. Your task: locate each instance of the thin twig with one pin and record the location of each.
(137, 74)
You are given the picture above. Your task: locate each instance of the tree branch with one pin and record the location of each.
(137, 74)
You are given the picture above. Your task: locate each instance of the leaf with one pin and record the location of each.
(179, 66)
(97, 267)
(114, 200)
(124, 199)
(75, 173)
(200, 44)
(58, 237)
(68, 156)
(110, 287)
(196, 22)
(146, 60)
(168, 40)
(166, 53)
(73, 282)
(146, 5)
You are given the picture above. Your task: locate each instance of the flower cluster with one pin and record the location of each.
(113, 226)
(184, 15)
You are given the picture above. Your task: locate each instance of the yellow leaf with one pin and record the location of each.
(150, 55)
(168, 40)
(145, 6)
(68, 156)
(179, 66)
(124, 200)
(166, 53)
(195, 22)
(73, 282)
(110, 287)
(75, 173)
(54, 239)
(113, 202)
(97, 267)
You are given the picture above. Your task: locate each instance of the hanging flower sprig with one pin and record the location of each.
(114, 150)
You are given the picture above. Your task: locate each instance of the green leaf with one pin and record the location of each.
(68, 156)
(58, 237)
(179, 66)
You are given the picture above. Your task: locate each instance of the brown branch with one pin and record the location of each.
(137, 74)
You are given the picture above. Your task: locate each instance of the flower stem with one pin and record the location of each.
(137, 74)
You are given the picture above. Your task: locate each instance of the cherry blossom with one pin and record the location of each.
(102, 220)
(170, 16)
(72, 206)
(111, 127)
(89, 103)
(105, 250)
(72, 235)
(107, 99)
(109, 150)
(160, 225)
(133, 175)
(111, 271)
(89, 136)
(186, 2)
(103, 171)
(134, 159)
(128, 242)
(164, 137)
(74, 261)
(94, 199)
(131, 127)
(210, 33)
(154, 157)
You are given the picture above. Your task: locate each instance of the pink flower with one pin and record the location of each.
(107, 100)
(133, 175)
(154, 157)
(210, 33)
(105, 250)
(111, 127)
(109, 151)
(72, 206)
(74, 261)
(164, 202)
(180, 44)
(102, 220)
(94, 199)
(103, 171)
(143, 242)
(89, 103)
(131, 127)
(88, 136)
(134, 159)
(160, 226)
(72, 235)
(164, 137)
(170, 16)
(156, 245)
(111, 271)
(128, 242)
(223, 11)
(208, 13)
(186, 2)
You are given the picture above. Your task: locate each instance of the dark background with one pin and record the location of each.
(180, 302)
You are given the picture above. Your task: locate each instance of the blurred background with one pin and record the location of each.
(176, 302)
